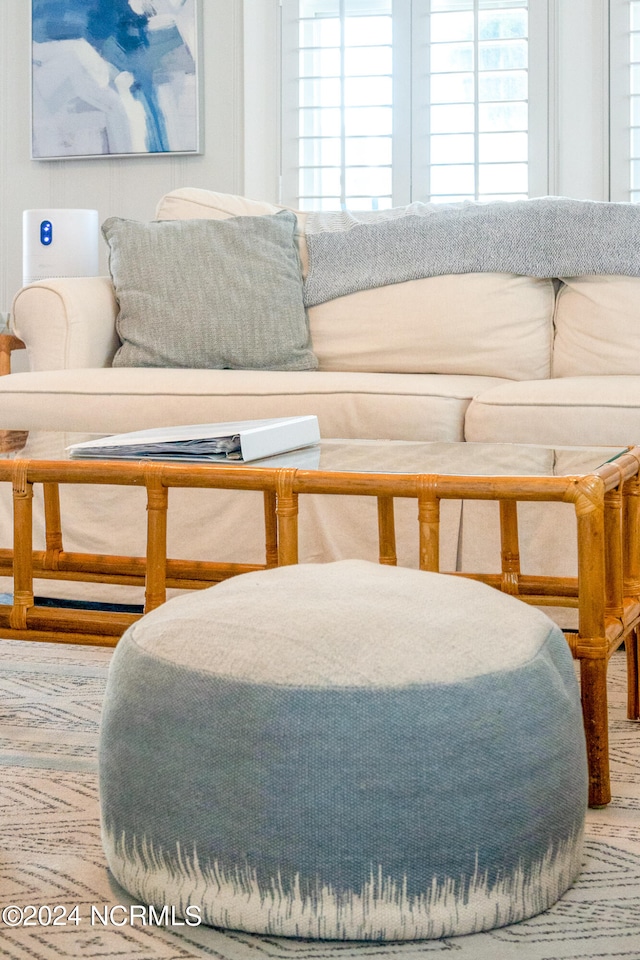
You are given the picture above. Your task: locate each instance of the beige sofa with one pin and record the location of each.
(470, 357)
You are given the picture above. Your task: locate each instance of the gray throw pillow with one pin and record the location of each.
(209, 293)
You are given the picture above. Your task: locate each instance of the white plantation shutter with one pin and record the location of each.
(478, 103)
(634, 100)
(339, 103)
(388, 101)
(625, 100)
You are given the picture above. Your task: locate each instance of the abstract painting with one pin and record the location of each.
(114, 78)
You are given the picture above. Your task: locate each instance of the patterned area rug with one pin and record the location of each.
(51, 854)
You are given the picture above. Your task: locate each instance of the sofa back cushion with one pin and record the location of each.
(484, 324)
(597, 324)
(192, 203)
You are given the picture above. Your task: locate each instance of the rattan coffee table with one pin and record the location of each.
(604, 493)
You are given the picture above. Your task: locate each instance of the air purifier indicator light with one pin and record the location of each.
(46, 233)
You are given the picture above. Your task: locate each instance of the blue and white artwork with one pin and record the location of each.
(114, 77)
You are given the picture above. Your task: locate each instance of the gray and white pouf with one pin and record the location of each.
(344, 751)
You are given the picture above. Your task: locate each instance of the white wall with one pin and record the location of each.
(117, 187)
(579, 99)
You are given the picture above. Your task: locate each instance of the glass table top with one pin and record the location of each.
(382, 456)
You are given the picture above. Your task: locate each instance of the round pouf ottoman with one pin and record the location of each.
(344, 751)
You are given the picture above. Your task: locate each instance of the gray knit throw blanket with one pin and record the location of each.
(545, 237)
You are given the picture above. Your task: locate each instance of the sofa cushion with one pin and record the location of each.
(370, 406)
(597, 327)
(482, 324)
(208, 293)
(567, 411)
(192, 203)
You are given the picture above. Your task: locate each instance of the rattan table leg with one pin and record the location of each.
(287, 514)
(509, 547)
(387, 532)
(613, 554)
(592, 647)
(156, 572)
(22, 546)
(632, 648)
(593, 685)
(429, 523)
(270, 529)
(631, 539)
(631, 587)
(53, 525)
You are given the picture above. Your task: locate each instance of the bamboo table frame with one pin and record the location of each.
(606, 591)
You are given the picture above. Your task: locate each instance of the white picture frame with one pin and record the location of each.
(114, 78)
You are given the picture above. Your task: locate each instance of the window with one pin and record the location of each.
(634, 100)
(625, 100)
(388, 101)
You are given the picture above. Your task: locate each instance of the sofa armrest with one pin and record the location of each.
(67, 323)
(8, 343)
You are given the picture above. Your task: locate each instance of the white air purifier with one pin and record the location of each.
(59, 243)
